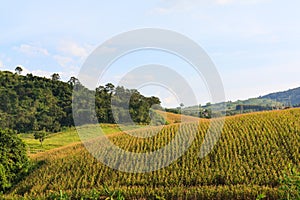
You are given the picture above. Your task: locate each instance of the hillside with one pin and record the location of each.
(31, 103)
(273, 101)
(60, 139)
(248, 160)
(289, 97)
(177, 118)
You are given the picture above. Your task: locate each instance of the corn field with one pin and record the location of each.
(249, 159)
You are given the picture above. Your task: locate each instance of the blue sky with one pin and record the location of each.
(255, 44)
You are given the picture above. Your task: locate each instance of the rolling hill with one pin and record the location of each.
(289, 97)
(32, 103)
(273, 101)
(177, 118)
(248, 160)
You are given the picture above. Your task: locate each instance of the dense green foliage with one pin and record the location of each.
(111, 97)
(248, 160)
(13, 158)
(30, 103)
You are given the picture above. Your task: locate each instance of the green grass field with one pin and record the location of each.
(68, 136)
(60, 139)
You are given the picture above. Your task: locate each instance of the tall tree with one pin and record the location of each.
(18, 70)
(55, 77)
(73, 80)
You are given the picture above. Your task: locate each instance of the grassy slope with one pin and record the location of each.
(249, 159)
(63, 138)
(177, 118)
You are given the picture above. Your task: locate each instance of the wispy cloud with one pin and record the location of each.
(70, 67)
(1, 64)
(235, 33)
(70, 56)
(63, 60)
(170, 101)
(31, 50)
(71, 48)
(43, 73)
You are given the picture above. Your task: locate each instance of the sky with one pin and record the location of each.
(254, 44)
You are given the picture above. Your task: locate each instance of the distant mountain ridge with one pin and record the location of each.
(272, 101)
(289, 97)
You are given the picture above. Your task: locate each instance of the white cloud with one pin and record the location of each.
(69, 67)
(1, 64)
(24, 70)
(71, 48)
(32, 50)
(35, 72)
(70, 57)
(63, 60)
(170, 101)
(67, 74)
(40, 73)
(43, 73)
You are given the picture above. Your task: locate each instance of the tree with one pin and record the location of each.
(208, 113)
(13, 159)
(40, 135)
(73, 80)
(18, 70)
(208, 104)
(30, 103)
(110, 88)
(55, 77)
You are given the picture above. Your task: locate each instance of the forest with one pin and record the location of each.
(31, 103)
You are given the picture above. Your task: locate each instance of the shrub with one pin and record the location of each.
(13, 159)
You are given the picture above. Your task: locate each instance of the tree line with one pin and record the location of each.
(31, 103)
